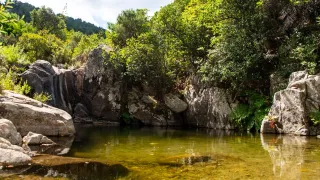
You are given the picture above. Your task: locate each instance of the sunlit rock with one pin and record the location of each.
(29, 115)
(36, 139)
(293, 105)
(12, 155)
(9, 132)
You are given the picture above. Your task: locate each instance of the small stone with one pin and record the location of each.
(175, 103)
(318, 136)
(36, 139)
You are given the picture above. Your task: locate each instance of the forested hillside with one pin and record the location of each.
(24, 9)
(231, 44)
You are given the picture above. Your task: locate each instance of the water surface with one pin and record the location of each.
(160, 153)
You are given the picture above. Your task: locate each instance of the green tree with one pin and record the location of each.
(144, 61)
(130, 24)
(45, 19)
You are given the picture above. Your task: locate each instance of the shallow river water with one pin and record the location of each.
(160, 153)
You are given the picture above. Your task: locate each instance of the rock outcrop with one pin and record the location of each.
(96, 86)
(12, 155)
(30, 115)
(81, 114)
(149, 111)
(58, 83)
(36, 139)
(208, 107)
(175, 103)
(9, 132)
(102, 85)
(291, 107)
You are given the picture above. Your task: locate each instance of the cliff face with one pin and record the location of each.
(208, 107)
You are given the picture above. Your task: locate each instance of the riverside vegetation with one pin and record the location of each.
(229, 44)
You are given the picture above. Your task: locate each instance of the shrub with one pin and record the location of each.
(315, 117)
(13, 55)
(11, 82)
(42, 97)
(248, 116)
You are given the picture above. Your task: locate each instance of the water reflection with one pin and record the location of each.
(62, 146)
(286, 153)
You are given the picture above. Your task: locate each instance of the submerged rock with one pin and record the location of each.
(9, 132)
(293, 105)
(36, 139)
(12, 155)
(184, 160)
(29, 115)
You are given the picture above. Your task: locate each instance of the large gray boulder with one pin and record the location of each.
(175, 103)
(9, 132)
(12, 155)
(292, 106)
(208, 107)
(30, 115)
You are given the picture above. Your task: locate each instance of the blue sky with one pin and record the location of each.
(99, 12)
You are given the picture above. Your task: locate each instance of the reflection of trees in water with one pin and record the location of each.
(286, 153)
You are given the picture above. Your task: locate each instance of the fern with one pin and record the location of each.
(250, 115)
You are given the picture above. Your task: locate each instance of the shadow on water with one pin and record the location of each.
(80, 171)
(70, 168)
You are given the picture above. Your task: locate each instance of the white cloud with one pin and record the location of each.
(99, 12)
